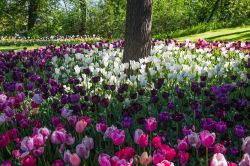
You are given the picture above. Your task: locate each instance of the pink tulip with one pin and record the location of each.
(157, 158)
(38, 152)
(118, 137)
(150, 124)
(88, 142)
(58, 163)
(82, 151)
(69, 139)
(45, 132)
(246, 145)
(16, 154)
(182, 145)
(207, 138)
(245, 161)
(80, 126)
(156, 141)
(101, 127)
(72, 120)
(109, 131)
(138, 133)
(165, 163)
(104, 160)
(194, 140)
(58, 136)
(74, 160)
(143, 140)
(218, 159)
(66, 156)
(27, 144)
(220, 148)
(38, 140)
(145, 159)
(183, 157)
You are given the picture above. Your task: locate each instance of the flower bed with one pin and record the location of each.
(185, 104)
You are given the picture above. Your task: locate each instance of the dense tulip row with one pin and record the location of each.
(57, 40)
(185, 104)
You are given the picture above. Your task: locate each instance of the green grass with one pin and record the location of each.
(225, 34)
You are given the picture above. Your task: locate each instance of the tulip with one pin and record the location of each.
(6, 163)
(145, 159)
(74, 160)
(38, 140)
(182, 145)
(104, 160)
(126, 153)
(82, 151)
(183, 157)
(157, 158)
(38, 152)
(150, 124)
(80, 126)
(207, 138)
(194, 140)
(246, 145)
(218, 159)
(16, 154)
(101, 127)
(143, 140)
(165, 163)
(138, 133)
(58, 163)
(220, 148)
(156, 141)
(118, 137)
(245, 161)
(58, 136)
(27, 144)
(28, 160)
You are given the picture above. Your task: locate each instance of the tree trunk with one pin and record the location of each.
(213, 10)
(138, 30)
(83, 8)
(32, 13)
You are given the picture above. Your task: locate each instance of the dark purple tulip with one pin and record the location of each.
(86, 71)
(198, 114)
(120, 98)
(29, 87)
(203, 78)
(238, 117)
(154, 99)
(239, 131)
(95, 99)
(177, 117)
(141, 92)
(127, 122)
(133, 95)
(171, 105)
(208, 124)
(234, 151)
(164, 116)
(165, 95)
(96, 79)
(112, 87)
(74, 98)
(220, 127)
(64, 99)
(84, 106)
(104, 103)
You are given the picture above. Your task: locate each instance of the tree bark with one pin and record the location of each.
(32, 13)
(138, 30)
(213, 10)
(83, 8)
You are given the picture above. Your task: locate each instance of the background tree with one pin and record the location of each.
(138, 29)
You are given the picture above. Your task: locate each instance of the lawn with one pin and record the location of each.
(225, 34)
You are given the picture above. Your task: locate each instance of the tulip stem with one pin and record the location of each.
(207, 157)
(197, 156)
